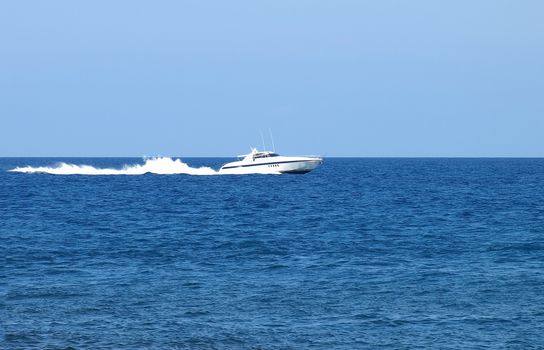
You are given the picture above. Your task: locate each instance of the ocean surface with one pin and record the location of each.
(361, 253)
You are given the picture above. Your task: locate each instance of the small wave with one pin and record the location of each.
(157, 165)
(523, 247)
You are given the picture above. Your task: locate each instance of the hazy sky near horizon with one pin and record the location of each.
(337, 78)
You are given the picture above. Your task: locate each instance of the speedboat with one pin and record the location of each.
(265, 162)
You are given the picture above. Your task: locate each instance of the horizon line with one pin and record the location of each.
(333, 156)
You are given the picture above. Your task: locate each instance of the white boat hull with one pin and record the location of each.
(300, 167)
(278, 166)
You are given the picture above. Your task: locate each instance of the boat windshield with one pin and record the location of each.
(265, 155)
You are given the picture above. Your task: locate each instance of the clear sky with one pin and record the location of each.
(337, 78)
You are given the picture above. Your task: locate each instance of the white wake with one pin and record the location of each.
(157, 165)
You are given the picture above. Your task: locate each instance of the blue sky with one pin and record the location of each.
(337, 78)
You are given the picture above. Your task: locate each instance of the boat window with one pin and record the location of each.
(265, 155)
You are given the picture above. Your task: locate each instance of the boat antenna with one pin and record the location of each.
(272, 138)
(262, 139)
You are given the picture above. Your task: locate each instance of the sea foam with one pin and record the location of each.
(156, 165)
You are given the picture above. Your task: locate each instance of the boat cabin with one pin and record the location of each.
(257, 154)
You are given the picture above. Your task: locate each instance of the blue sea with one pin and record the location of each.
(362, 253)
